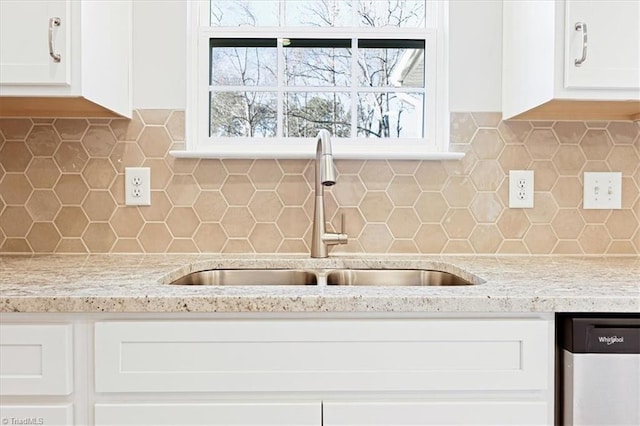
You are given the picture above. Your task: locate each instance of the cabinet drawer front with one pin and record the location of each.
(54, 415)
(220, 414)
(36, 359)
(322, 355)
(518, 413)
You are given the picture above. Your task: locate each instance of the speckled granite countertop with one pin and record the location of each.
(138, 283)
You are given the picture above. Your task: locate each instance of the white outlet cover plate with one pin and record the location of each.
(515, 201)
(144, 189)
(602, 190)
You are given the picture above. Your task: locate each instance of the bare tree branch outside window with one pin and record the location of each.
(310, 64)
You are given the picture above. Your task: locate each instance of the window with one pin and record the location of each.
(266, 76)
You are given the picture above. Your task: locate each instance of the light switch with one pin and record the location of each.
(602, 190)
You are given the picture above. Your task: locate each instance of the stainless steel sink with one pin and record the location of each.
(352, 277)
(394, 277)
(223, 277)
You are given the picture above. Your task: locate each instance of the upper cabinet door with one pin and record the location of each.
(31, 34)
(602, 44)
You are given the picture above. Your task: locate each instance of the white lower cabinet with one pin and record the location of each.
(327, 413)
(320, 355)
(477, 412)
(36, 374)
(293, 370)
(36, 359)
(37, 414)
(374, 371)
(209, 414)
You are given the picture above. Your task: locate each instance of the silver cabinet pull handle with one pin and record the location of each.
(53, 22)
(582, 26)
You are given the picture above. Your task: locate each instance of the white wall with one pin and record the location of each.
(159, 58)
(475, 67)
(475, 55)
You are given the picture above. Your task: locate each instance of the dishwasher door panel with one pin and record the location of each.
(601, 389)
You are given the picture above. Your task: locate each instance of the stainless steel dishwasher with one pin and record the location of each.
(599, 375)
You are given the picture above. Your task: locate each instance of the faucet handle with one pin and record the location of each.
(332, 238)
(342, 237)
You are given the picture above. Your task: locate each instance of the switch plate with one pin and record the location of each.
(521, 189)
(137, 186)
(602, 190)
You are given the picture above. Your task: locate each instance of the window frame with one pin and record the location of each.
(434, 145)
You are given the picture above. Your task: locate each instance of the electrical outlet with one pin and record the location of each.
(521, 189)
(602, 190)
(137, 186)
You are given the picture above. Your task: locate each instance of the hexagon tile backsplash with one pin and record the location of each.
(62, 190)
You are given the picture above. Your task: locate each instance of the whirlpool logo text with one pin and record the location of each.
(610, 340)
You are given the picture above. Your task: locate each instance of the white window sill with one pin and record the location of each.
(307, 150)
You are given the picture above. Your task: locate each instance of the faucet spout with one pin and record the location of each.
(324, 159)
(325, 175)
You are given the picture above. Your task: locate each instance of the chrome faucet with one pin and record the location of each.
(325, 176)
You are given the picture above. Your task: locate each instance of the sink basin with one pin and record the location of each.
(353, 277)
(394, 277)
(224, 277)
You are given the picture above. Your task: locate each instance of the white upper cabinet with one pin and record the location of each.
(571, 60)
(602, 44)
(35, 50)
(63, 57)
